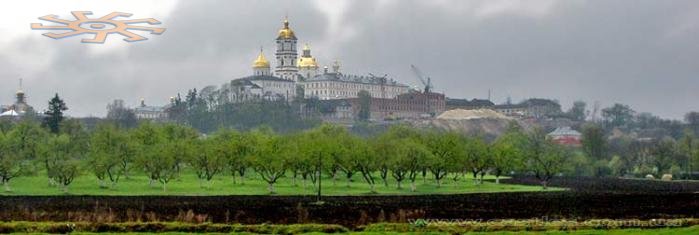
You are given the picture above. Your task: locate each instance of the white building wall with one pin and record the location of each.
(325, 90)
(282, 88)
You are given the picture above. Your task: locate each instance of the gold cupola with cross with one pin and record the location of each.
(286, 32)
(308, 66)
(261, 66)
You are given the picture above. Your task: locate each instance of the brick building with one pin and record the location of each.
(411, 105)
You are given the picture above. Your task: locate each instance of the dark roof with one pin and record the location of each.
(263, 77)
(509, 106)
(539, 102)
(244, 82)
(353, 78)
(471, 103)
(482, 102)
(336, 102)
(149, 109)
(528, 103)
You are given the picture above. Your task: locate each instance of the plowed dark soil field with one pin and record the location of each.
(352, 210)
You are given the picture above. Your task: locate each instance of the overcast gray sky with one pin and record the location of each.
(644, 53)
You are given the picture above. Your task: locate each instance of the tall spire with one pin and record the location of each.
(20, 94)
(20, 91)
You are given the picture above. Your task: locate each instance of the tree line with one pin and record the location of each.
(161, 151)
(63, 149)
(211, 109)
(610, 154)
(625, 142)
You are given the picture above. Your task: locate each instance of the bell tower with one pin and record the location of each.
(286, 53)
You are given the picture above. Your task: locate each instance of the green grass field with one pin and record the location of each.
(652, 231)
(663, 231)
(188, 184)
(185, 228)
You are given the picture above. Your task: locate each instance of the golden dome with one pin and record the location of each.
(306, 60)
(261, 61)
(286, 32)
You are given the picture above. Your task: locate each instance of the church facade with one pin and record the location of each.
(261, 85)
(300, 76)
(292, 71)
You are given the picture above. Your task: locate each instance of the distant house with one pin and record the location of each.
(259, 87)
(335, 110)
(468, 104)
(541, 108)
(512, 110)
(144, 111)
(534, 108)
(566, 136)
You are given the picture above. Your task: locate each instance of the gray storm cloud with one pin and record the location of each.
(642, 53)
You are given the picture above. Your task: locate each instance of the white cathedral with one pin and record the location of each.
(292, 72)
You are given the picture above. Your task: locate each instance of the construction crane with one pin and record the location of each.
(426, 81)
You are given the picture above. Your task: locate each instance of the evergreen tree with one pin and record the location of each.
(54, 114)
(619, 115)
(595, 147)
(364, 105)
(578, 111)
(692, 119)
